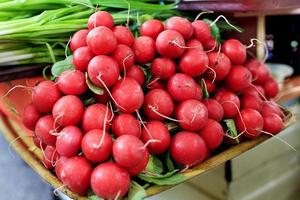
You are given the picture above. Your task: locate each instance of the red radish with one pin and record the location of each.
(194, 43)
(220, 63)
(211, 44)
(192, 115)
(235, 51)
(271, 88)
(229, 101)
(152, 28)
(255, 90)
(214, 108)
(134, 171)
(50, 157)
(76, 174)
(128, 151)
(271, 107)
(123, 35)
(95, 146)
(78, 39)
(58, 166)
(38, 142)
(109, 181)
(102, 98)
(201, 31)
(128, 95)
(30, 116)
(68, 142)
(163, 68)
(199, 94)
(212, 134)
(210, 86)
(44, 128)
(273, 123)
(94, 116)
(238, 78)
(158, 103)
(136, 73)
(81, 58)
(104, 68)
(182, 87)
(194, 62)
(251, 101)
(188, 148)
(72, 82)
(44, 96)
(68, 110)
(124, 56)
(101, 18)
(144, 49)
(170, 43)
(155, 84)
(250, 122)
(259, 71)
(101, 40)
(126, 124)
(180, 24)
(158, 131)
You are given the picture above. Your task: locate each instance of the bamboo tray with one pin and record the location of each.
(20, 140)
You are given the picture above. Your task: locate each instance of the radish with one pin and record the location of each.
(212, 134)
(220, 63)
(103, 70)
(100, 18)
(30, 116)
(158, 104)
(202, 31)
(123, 35)
(214, 108)
(273, 123)
(229, 101)
(194, 44)
(68, 142)
(78, 39)
(134, 171)
(58, 166)
(126, 124)
(180, 24)
(199, 94)
(188, 148)
(251, 101)
(50, 157)
(136, 73)
(68, 110)
(235, 51)
(271, 107)
(81, 58)
(210, 86)
(96, 147)
(44, 96)
(271, 88)
(192, 115)
(182, 87)
(124, 56)
(238, 78)
(170, 43)
(72, 82)
(151, 28)
(163, 68)
(44, 128)
(144, 49)
(211, 44)
(76, 174)
(102, 98)
(109, 181)
(255, 90)
(101, 41)
(259, 71)
(93, 117)
(38, 142)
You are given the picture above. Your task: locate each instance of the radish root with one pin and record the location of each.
(252, 40)
(118, 195)
(152, 82)
(202, 13)
(143, 124)
(213, 48)
(55, 192)
(15, 87)
(214, 73)
(104, 128)
(223, 17)
(154, 109)
(149, 142)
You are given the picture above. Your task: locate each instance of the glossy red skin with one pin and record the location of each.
(163, 68)
(161, 101)
(273, 123)
(123, 35)
(68, 110)
(90, 142)
(164, 44)
(42, 130)
(199, 94)
(271, 88)
(44, 96)
(188, 148)
(156, 130)
(260, 72)
(105, 66)
(136, 73)
(79, 39)
(49, 157)
(180, 24)
(211, 44)
(271, 107)
(151, 28)
(226, 99)
(103, 98)
(255, 90)
(253, 123)
(101, 41)
(100, 18)
(81, 58)
(30, 116)
(192, 115)
(124, 56)
(58, 166)
(182, 87)
(38, 142)
(212, 134)
(68, 143)
(238, 78)
(220, 63)
(194, 62)
(194, 44)
(128, 94)
(156, 85)
(251, 101)
(128, 151)
(72, 82)
(134, 171)
(144, 49)
(201, 31)
(76, 174)
(235, 51)
(214, 108)
(210, 86)
(126, 124)
(93, 117)
(109, 180)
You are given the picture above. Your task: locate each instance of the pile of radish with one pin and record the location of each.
(172, 75)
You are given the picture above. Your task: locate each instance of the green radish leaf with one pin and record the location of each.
(89, 101)
(168, 180)
(169, 163)
(92, 196)
(46, 75)
(136, 192)
(232, 129)
(204, 89)
(144, 18)
(154, 165)
(215, 31)
(92, 87)
(159, 176)
(61, 66)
